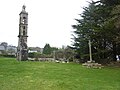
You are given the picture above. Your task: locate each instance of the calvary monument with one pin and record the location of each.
(22, 49)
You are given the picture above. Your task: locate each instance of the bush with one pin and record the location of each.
(31, 55)
(38, 55)
(11, 56)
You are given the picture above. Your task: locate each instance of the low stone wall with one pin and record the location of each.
(41, 59)
(48, 59)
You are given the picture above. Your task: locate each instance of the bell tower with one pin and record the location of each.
(22, 49)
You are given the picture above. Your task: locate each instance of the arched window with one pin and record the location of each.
(24, 20)
(23, 32)
(24, 17)
(23, 27)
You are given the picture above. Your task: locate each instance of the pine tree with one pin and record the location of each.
(47, 49)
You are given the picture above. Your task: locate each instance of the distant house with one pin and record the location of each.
(35, 49)
(10, 50)
(31, 51)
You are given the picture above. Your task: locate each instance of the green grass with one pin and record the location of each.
(26, 75)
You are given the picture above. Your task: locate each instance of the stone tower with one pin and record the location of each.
(22, 50)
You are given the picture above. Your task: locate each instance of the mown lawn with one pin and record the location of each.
(26, 75)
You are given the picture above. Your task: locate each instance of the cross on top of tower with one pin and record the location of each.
(23, 7)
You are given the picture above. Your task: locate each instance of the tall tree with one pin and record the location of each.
(47, 49)
(5, 44)
(100, 24)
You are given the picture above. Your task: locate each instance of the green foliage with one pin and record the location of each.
(65, 53)
(47, 49)
(31, 55)
(16, 75)
(5, 44)
(54, 49)
(100, 24)
(37, 55)
(9, 56)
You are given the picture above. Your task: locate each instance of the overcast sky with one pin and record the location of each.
(49, 21)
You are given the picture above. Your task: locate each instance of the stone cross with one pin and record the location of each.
(90, 51)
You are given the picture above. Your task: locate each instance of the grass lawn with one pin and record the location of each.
(26, 75)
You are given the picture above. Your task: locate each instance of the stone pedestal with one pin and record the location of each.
(92, 64)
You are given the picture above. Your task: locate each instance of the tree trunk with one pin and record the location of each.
(114, 51)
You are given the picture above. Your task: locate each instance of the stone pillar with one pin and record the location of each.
(90, 51)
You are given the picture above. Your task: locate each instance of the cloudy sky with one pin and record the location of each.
(49, 21)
